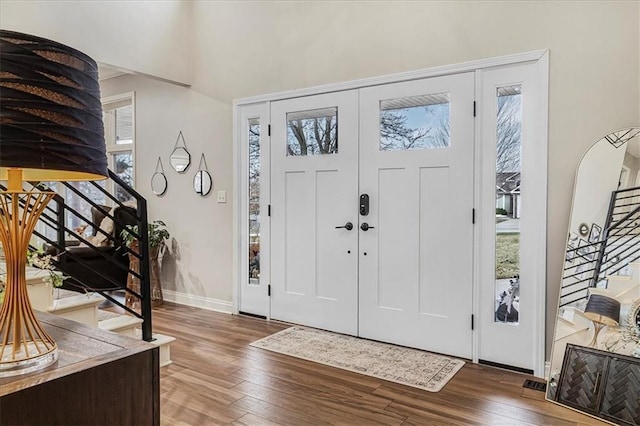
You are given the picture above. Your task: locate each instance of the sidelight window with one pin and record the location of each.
(254, 201)
(508, 203)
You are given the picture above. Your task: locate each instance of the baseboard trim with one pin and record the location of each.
(198, 301)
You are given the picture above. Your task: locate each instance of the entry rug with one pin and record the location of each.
(411, 367)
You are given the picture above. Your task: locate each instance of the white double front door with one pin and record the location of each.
(371, 220)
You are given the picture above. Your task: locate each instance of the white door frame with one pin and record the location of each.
(242, 114)
(538, 57)
(532, 253)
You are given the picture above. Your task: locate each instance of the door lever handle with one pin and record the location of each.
(365, 226)
(348, 226)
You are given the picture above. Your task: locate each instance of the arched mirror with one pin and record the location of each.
(180, 158)
(159, 180)
(599, 304)
(202, 181)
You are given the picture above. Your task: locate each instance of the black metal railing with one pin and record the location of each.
(590, 263)
(73, 263)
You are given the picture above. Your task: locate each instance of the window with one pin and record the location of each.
(254, 201)
(417, 122)
(313, 132)
(119, 132)
(119, 136)
(508, 203)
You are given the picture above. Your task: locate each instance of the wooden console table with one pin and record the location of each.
(100, 378)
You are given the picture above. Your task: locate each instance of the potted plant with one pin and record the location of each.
(158, 234)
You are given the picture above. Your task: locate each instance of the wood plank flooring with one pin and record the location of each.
(217, 378)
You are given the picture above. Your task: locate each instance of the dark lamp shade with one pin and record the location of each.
(602, 309)
(50, 111)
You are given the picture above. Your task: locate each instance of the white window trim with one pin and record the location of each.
(539, 57)
(111, 102)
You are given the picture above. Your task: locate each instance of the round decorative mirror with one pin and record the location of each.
(583, 229)
(159, 183)
(159, 180)
(180, 158)
(202, 181)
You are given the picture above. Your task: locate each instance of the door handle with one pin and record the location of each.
(348, 226)
(597, 382)
(365, 226)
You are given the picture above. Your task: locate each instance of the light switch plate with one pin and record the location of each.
(222, 196)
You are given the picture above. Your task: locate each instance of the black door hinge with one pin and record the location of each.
(269, 126)
(473, 216)
(269, 210)
(474, 108)
(472, 322)
(269, 290)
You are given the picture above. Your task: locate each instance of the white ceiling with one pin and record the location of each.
(106, 72)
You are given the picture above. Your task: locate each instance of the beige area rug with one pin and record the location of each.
(397, 364)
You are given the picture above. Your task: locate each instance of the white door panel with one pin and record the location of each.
(413, 266)
(416, 264)
(314, 272)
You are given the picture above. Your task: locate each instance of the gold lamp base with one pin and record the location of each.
(24, 345)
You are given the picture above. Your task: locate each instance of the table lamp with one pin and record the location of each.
(602, 310)
(50, 130)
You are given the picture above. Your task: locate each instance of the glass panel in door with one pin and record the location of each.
(253, 136)
(508, 203)
(415, 122)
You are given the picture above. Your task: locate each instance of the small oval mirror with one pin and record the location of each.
(202, 183)
(158, 183)
(180, 159)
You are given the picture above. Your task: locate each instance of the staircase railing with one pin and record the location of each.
(591, 263)
(55, 217)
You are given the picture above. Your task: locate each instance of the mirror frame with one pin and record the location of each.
(172, 160)
(201, 174)
(587, 244)
(164, 180)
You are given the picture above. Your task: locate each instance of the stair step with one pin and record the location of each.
(82, 308)
(164, 343)
(121, 324)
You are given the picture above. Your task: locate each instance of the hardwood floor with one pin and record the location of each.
(217, 378)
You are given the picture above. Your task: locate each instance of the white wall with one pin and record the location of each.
(249, 48)
(633, 163)
(594, 72)
(150, 37)
(200, 254)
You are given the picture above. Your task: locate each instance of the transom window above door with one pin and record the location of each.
(312, 132)
(416, 122)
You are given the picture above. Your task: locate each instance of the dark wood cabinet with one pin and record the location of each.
(100, 378)
(621, 393)
(600, 383)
